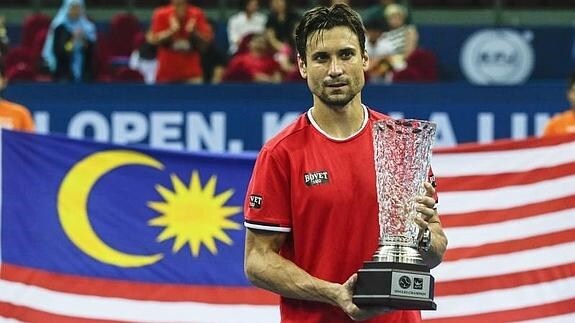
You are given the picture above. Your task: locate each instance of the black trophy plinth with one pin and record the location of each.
(397, 285)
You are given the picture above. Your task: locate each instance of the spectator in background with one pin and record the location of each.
(69, 47)
(402, 37)
(4, 40)
(181, 31)
(143, 58)
(280, 26)
(214, 61)
(13, 116)
(256, 65)
(378, 49)
(390, 50)
(248, 21)
(377, 13)
(564, 123)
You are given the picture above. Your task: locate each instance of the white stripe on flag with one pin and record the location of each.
(7, 320)
(472, 236)
(503, 299)
(96, 307)
(497, 162)
(506, 263)
(566, 318)
(506, 197)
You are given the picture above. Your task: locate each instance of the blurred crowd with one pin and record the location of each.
(178, 45)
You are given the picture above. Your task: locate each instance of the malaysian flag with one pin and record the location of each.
(508, 210)
(97, 232)
(94, 232)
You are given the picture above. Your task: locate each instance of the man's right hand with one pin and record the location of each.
(345, 301)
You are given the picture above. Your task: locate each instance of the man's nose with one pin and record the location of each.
(335, 68)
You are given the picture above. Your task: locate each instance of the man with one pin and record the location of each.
(13, 116)
(181, 31)
(564, 123)
(311, 206)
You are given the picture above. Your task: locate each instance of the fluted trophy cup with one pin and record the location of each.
(396, 276)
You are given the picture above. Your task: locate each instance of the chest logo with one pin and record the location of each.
(316, 178)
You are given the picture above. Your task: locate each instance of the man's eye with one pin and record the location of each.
(346, 55)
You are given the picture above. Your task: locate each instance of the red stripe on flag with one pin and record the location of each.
(137, 290)
(485, 182)
(502, 215)
(506, 145)
(520, 314)
(27, 314)
(505, 247)
(476, 285)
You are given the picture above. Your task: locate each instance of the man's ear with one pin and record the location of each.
(365, 59)
(302, 67)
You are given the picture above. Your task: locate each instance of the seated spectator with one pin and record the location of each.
(181, 31)
(4, 40)
(69, 47)
(280, 25)
(378, 50)
(377, 13)
(256, 65)
(143, 58)
(13, 116)
(564, 122)
(396, 56)
(214, 62)
(403, 37)
(248, 21)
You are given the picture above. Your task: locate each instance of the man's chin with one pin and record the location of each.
(336, 102)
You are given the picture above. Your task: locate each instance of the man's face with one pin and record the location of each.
(334, 66)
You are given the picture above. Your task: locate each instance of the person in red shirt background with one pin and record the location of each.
(255, 65)
(181, 31)
(13, 116)
(564, 122)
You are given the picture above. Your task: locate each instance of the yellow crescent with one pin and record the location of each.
(73, 200)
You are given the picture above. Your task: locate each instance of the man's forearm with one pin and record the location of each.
(279, 275)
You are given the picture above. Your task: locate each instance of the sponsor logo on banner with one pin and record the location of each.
(497, 57)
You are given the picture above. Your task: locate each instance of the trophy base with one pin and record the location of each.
(397, 285)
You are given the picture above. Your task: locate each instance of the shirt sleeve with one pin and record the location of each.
(267, 206)
(159, 22)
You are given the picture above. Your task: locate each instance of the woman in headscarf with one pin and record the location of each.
(69, 47)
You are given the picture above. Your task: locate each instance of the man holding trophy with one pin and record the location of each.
(341, 218)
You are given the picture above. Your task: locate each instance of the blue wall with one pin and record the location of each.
(242, 117)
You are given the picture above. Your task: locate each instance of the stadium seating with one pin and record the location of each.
(123, 28)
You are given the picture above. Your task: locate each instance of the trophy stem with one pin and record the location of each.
(397, 252)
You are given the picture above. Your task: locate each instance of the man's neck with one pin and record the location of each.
(339, 122)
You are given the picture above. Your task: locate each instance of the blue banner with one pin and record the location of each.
(235, 118)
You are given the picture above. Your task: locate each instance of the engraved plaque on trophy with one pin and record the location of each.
(396, 276)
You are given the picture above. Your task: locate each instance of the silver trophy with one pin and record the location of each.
(396, 276)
